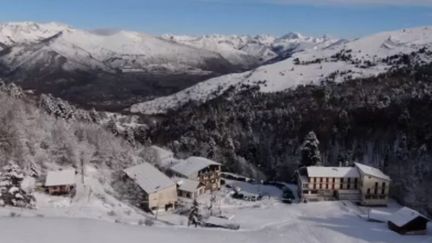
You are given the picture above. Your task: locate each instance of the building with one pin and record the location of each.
(159, 191)
(360, 183)
(190, 189)
(374, 185)
(60, 182)
(327, 183)
(206, 171)
(408, 221)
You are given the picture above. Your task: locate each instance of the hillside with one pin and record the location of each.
(364, 57)
(383, 121)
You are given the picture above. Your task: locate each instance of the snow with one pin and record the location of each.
(324, 222)
(369, 170)
(94, 215)
(404, 216)
(149, 178)
(378, 215)
(249, 50)
(124, 50)
(323, 171)
(60, 178)
(287, 74)
(186, 184)
(192, 165)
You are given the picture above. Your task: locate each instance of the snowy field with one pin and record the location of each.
(89, 219)
(312, 222)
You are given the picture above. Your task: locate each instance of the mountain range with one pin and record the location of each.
(113, 70)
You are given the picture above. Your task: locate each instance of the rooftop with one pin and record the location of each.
(338, 172)
(148, 177)
(186, 184)
(60, 178)
(372, 171)
(192, 165)
(404, 216)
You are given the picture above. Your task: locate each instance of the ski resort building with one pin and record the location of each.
(60, 182)
(360, 183)
(160, 192)
(408, 221)
(205, 171)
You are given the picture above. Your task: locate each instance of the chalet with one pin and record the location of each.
(360, 183)
(159, 191)
(408, 221)
(206, 171)
(60, 182)
(187, 188)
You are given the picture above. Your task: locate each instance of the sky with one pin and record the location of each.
(338, 18)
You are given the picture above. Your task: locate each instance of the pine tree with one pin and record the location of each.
(194, 215)
(11, 192)
(310, 154)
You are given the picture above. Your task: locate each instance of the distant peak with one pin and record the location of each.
(292, 35)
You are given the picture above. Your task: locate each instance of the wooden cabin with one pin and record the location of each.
(206, 171)
(160, 192)
(408, 221)
(60, 182)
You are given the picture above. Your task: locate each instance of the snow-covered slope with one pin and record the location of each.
(26, 44)
(250, 51)
(340, 61)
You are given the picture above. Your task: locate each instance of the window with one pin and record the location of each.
(355, 183)
(334, 180)
(321, 179)
(383, 187)
(376, 188)
(368, 191)
(342, 180)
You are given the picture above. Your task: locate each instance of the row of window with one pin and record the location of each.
(327, 179)
(376, 189)
(333, 186)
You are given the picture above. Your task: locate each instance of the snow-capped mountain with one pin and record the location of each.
(342, 60)
(78, 64)
(248, 51)
(122, 50)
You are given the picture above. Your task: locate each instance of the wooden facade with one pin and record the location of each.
(417, 226)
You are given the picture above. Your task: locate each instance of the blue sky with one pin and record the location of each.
(340, 18)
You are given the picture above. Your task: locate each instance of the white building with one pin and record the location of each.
(159, 190)
(361, 183)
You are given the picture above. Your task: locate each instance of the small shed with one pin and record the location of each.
(408, 221)
(60, 182)
(187, 188)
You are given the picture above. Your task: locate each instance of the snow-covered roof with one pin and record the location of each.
(404, 216)
(192, 165)
(148, 177)
(60, 178)
(186, 184)
(378, 215)
(338, 172)
(369, 170)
